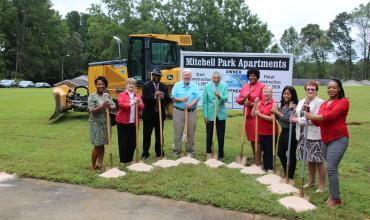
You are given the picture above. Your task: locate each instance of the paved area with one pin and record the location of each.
(37, 199)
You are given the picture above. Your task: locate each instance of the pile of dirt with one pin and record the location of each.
(113, 173)
(166, 163)
(188, 160)
(296, 203)
(213, 163)
(253, 170)
(140, 167)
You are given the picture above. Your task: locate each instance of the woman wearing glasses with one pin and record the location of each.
(313, 150)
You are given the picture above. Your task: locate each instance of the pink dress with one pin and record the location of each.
(253, 93)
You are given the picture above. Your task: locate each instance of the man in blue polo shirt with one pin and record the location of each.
(185, 94)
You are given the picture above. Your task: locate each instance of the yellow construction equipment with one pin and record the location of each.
(145, 52)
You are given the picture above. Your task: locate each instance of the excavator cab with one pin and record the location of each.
(145, 53)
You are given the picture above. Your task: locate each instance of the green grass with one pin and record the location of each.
(32, 147)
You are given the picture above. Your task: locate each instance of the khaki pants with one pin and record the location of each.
(178, 125)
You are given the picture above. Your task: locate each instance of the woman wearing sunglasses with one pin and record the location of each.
(313, 150)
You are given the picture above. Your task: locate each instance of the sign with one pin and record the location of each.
(276, 70)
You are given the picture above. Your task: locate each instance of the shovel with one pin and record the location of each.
(273, 143)
(160, 126)
(241, 158)
(213, 155)
(109, 138)
(185, 131)
(256, 159)
(301, 193)
(137, 131)
(289, 149)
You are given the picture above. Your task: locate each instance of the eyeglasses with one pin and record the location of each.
(311, 90)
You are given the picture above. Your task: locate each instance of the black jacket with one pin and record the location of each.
(149, 100)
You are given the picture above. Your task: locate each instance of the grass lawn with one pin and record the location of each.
(32, 147)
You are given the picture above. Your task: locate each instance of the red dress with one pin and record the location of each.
(253, 93)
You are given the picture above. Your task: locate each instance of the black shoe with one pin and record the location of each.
(144, 157)
(220, 159)
(160, 155)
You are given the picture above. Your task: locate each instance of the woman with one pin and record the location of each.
(289, 100)
(262, 109)
(247, 96)
(98, 102)
(126, 121)
(334, 133)
(313, 151)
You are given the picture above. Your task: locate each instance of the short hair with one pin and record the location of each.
(254, 71)
(216, 73)
(341, 92)
(103, 79)
(312, 83)
(186, 70)
(268, 87)
(131, 81)
(292, 91)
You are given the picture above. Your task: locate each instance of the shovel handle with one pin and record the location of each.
(160, 125)
(109, 135)
(137, 131)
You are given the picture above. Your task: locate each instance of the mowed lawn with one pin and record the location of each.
(30, 146)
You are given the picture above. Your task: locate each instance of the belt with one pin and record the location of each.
(189, 110)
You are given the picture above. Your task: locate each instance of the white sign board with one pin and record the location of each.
(276, 70)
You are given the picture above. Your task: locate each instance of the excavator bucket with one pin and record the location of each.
(62, 104)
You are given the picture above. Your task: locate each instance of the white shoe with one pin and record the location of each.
(320, 190)
(308, 185)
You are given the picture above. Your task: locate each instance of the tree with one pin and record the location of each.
(318, 45)
(223, 25)
(340, 33)
(290, 43)
(361, 21)
(275, 48)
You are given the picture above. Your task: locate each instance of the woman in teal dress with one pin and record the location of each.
(98, 102)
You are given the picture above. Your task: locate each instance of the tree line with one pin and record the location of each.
(35, 39)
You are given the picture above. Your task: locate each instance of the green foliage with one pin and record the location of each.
(340, 33)
(318, 45)
(361, 21)
(30, 146)
(34, 38)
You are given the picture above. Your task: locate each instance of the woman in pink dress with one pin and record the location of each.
(247, 95)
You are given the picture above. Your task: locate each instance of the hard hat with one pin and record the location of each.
(157, 71)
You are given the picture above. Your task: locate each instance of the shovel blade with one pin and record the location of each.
(241, 160)
(209, 156)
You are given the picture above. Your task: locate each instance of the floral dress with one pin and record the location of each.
(97, 121)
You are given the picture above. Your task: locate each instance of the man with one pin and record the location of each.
(152, 91)
(185, 95)
(213, 90)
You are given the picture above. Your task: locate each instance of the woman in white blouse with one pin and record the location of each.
(314, 153)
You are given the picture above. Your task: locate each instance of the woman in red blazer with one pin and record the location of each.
(125, 119)
(334, 134)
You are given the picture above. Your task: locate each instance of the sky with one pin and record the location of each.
(278, 14)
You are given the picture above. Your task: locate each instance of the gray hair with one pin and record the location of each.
(186, 70)
(216, 73)
(131, 81)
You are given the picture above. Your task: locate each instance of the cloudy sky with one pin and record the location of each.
(279, 15)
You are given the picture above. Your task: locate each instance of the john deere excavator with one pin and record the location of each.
(146, 52)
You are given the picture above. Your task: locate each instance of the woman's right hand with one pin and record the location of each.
(105, 103)
(293, 119)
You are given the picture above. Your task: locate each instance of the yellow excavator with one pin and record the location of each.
(145, 52)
